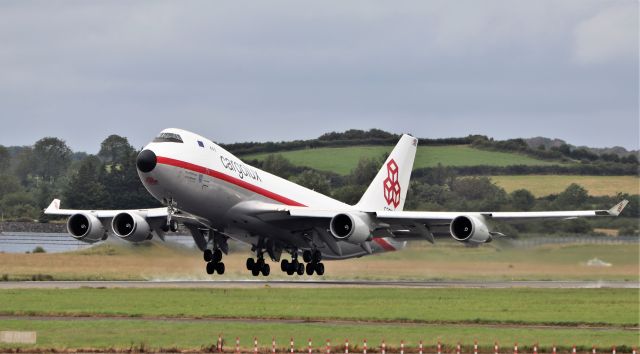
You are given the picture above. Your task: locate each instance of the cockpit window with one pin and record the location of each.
(168, 138)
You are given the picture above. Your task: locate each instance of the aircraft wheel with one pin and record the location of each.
(300, 268)
(250, 263)
(266, 269)
(164, 228)
(220, 268)
(317, 256)
(173, 226)
(208, 255)
(217, 256)
(211, 268)
(320, 268)
(306, 256)
(310, 268)
(255, 271)
(284, 264)
(291, 269)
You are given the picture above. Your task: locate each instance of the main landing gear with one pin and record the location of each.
(258, 266)
(214, 261)
(311, 258)
(314, 262)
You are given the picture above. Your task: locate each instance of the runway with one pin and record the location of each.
(250, 283)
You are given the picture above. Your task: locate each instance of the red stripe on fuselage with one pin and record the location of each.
(221, 176)
(384, 244)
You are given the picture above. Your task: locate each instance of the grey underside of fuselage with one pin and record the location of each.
(193, 193)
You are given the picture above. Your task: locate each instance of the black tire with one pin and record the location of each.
(310, 268)
(211, 268)
(255, 271)
(217, 256)
(284, 264)
(306, 256)
(320, 269)
(220, 268)
(266, 269)
(207, 255)
(290, 269)
(250, 263)
(173, 226)
(164, 228)
(300, 268)
(317, 256)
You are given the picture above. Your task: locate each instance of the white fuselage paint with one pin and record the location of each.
(208, 182)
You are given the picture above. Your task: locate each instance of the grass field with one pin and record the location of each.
(427, 156)
(443, 261)
(124, 334)
(449, 315)
(543, 185)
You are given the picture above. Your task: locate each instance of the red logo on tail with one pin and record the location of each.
(392, 184)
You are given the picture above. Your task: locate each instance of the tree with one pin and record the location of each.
(278, 165)
(50, 158)
(124, 188)
(365, 171)
(115, 149)
(312, 180)
(5, 159)
(85, 190)
(572, 198)
(522, 199)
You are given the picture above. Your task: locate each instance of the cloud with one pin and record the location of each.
(609, 35)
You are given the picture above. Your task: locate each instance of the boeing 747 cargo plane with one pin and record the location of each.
(217, 197)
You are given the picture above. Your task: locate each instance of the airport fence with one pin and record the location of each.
(382, 347)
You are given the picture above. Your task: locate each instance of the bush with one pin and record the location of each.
(38, 249)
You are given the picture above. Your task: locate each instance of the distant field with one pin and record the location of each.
(445, 260)
(542, 185)
(343, 160)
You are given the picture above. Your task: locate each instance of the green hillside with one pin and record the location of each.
(342, 160)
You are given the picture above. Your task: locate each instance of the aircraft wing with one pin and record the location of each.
(54, 209)
(408, 225)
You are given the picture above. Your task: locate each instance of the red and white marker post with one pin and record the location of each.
(237, 345)
(515, 348)
(255, 345)
(495, 348)
(475, 347)
(328, 347)
(573, 349)
(364, 346)
(346, 346)
(613, 350)
(420, 346)
(439, 348)
(219, 346)
(458, 348)
(553, 351)
(384, 347)
(401, 346)
(634, 351)
(273, 345)
(309, 348)
(593, 349)
(291, 345)
(535, 348)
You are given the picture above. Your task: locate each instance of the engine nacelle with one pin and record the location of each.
(470, 229)
(353, 228)
(131, 227)
(86, 227)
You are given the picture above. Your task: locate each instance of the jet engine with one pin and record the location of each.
(351, 228)
(131, 227)
(470, 229)
(86, 227)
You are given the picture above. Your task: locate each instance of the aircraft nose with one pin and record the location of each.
(146, 161)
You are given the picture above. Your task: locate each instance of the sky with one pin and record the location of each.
(239, 70)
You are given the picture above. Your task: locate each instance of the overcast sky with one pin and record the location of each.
(279, 70)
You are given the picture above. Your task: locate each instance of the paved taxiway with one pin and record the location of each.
(317, 284)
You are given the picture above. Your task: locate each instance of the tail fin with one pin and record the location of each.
(389, 188)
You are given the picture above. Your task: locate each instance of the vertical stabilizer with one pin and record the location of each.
(389, 188)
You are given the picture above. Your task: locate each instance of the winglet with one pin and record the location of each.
(53, 207)
(617, 209)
